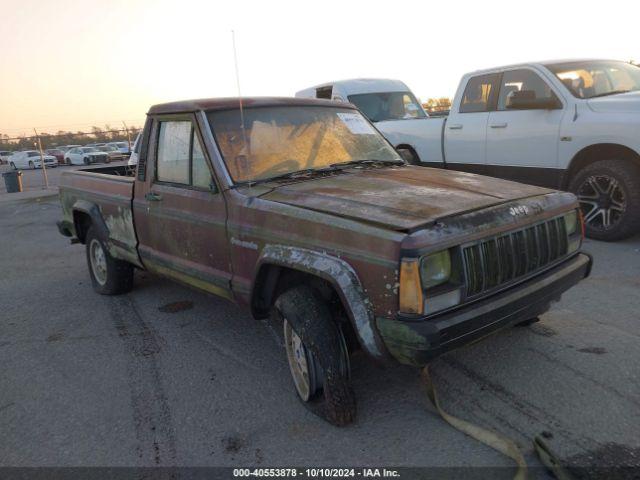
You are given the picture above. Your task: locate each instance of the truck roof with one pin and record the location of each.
(541, 63)
(360, 85)
(233, 102)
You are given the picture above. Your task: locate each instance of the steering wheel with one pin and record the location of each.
(282, 167)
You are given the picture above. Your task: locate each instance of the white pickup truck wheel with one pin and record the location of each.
(609, 196)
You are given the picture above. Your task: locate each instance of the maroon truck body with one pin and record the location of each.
(356, 230)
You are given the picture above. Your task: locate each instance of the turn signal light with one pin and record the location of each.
(411, 298)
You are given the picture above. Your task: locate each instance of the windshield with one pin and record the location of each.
(89, 149)
(281, 140)
(388, 106)
(597, 78)
(33, 154)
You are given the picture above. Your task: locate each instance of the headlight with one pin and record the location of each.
(435, 269)
(571, 222)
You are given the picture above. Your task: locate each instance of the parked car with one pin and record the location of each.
(571, 125)
(85, 156)
(133, 158)
(114, 154)
(304, 213)
(4, 156)
(66, 148)
(31, 159)
(122, 146)
(58, 153)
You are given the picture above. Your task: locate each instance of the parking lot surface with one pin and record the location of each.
(168, 376)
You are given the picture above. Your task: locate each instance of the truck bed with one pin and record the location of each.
(106, 193)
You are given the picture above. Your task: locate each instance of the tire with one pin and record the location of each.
(13, 165)
(409, 156)
(109, 276)
(108, 160)
(32, 165)
(609, 196)
(86, 160)
(307, 316)
(67, 161)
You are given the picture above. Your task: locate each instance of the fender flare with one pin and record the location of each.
(341, 276)
(94, 213)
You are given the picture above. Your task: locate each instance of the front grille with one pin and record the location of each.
(496, 262)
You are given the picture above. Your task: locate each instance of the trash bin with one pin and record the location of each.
(13, 181)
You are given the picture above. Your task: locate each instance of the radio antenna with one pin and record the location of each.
(244, 134)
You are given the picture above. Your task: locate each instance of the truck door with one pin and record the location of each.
(465, 133)
(522, 143)
(179, 211)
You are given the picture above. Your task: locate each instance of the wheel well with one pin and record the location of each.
(272, 280)
(404, 146)
(81, 222)
(594, 153)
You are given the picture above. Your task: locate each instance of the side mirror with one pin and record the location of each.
(526, 100)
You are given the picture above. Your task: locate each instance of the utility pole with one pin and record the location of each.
(128, 136)
(44, 167)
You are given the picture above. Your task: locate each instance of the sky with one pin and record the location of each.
(68, 64)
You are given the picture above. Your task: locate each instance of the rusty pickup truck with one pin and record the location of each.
(302, 211)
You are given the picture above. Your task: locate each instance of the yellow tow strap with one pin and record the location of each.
(502, 444)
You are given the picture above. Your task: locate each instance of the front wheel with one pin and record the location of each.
(13, 165)
(609, 196)
(32, 165)
(109, 276)
(317, 354)
(86, 161)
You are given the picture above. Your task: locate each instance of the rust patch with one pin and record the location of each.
(175, 307)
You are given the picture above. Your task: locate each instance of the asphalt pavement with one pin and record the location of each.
(169, 376)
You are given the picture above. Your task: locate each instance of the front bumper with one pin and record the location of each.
(417, 341)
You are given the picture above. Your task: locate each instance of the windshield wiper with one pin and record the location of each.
(305, 172)
(614, 92)
(366, 162)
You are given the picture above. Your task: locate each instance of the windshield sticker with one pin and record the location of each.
(356, 124)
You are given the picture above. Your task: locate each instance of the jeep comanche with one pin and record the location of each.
(302, 211)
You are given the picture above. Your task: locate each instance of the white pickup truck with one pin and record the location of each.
(571, 125)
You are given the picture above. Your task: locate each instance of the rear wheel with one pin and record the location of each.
(609, 196)
(109, 276)
(67, 161)
(86, 160)
(317, 354)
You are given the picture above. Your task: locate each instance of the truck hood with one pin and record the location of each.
(400, 198)
(621, 103)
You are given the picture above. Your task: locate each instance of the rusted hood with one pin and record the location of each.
(400, 198)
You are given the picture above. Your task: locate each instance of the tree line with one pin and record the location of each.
(62, 137)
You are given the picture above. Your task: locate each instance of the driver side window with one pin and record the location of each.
(180, 159)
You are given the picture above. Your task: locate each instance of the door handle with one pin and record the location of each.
(153, 197)
(455, 126)
(499, 125)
